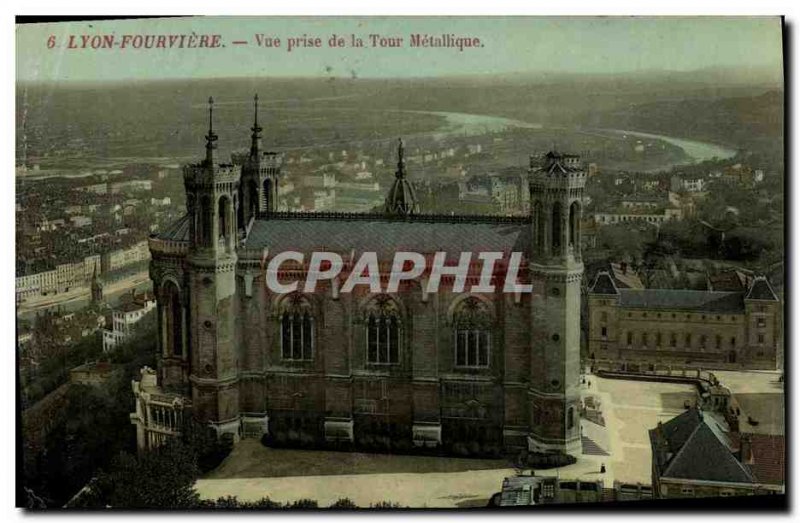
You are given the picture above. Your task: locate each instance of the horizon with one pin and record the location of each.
(516, 76)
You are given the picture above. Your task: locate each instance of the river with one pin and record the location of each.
(466, 124)
(697, 151)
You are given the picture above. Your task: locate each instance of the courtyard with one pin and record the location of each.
(630, 409)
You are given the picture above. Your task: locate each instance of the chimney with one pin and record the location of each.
(624, 267)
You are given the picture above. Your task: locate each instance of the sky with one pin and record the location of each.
(595, 45)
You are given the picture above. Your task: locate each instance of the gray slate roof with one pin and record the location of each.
(423, 234)
(696, 452)
(177, 231)
(679, 429)
(761, 290)
(680, 299)
(604, 284)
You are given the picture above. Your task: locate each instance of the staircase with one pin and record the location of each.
(591, 448)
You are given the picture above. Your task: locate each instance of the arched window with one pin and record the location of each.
(472, 332)
(539, 224)
(574, 223)
(383, 332)
(224, 220)
(556, 226)
(267, 194)
(241, 218)
(173, 319)
(252, 199)
(570, 418)
(297, 329)
(205, 221)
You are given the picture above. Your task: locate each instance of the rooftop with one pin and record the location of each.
(767, 457)
(177, 230)
(604, 284)
(761, 290)
(559, 163)
(686, 447)
(345, 232)
(682, 299)
(729, 280)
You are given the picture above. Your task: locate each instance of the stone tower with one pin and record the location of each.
(258, 191)
(556, 192)
(212, 191)
(763, 318)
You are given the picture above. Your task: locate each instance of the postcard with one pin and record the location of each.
(400, 262)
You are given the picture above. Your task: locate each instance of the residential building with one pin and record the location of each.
(124, 317)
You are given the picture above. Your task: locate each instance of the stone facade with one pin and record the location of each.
(158, 415)
(646, 327)
(472, 373)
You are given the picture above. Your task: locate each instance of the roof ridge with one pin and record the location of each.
(604, 291)
(418, 217)
(681, 290)
(729, 455)
(683, 447)
(761, 280)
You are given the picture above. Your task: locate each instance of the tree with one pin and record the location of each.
(344, 503)
(625, 242)
(209, 448)
(303, 504)
(96, 427)
(160, 478)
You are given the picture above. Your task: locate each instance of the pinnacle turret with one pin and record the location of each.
(255, 146)
(402, 199)
(211, 138)
(401, 162)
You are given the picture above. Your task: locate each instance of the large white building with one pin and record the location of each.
(124, 318)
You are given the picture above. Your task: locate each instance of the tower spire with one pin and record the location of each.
(402, 199)
(255, 145)
(211, 138)
(401, 161)
(255, 107)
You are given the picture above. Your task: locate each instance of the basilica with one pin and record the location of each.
(456, 371)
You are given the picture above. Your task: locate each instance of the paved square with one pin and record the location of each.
(630, 409)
